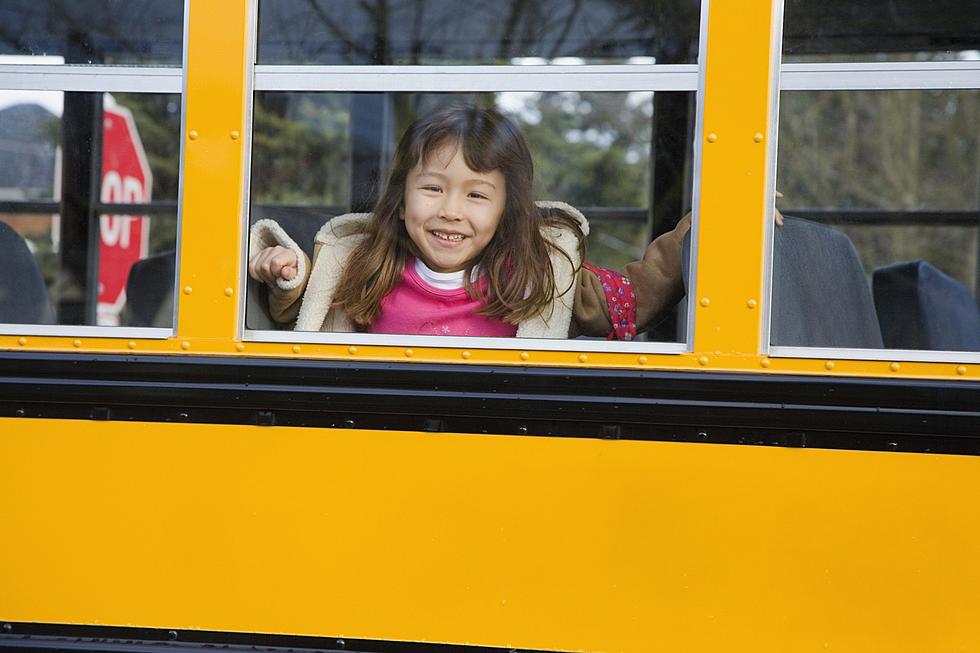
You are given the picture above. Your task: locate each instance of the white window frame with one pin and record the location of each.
(489, 78)
(106, 79)
(855, 76)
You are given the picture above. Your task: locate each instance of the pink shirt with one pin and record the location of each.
(415, 307)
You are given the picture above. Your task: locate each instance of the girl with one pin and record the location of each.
(457, 246)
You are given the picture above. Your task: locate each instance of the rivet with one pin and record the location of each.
(525, 355)
(352, 350)
(961, 370)
(712, 137)
(465, 354)
(296, 349)
(703, 360)
(235, 135)
(751, 303)
(894, 367)
(757, 137)
(188, 290)
(240, 346)
(76, 343)
(765, 362)
(642, 360)
(704, 301)
(582, 358)
(229, 292)
(131, 344)
(192, 134)
(409, 353)
(22, 341)
(185, 345)
(829, 365)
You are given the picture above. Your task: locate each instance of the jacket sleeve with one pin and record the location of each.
(285, 297)
(657, 281)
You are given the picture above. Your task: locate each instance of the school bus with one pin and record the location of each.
(790, 461)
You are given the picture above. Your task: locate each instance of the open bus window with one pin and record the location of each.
(130, 32)
(317, 156)
(442, 32)
(72, 165)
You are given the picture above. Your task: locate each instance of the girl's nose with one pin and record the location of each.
(450, 209)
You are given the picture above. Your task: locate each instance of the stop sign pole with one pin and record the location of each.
(126, 179)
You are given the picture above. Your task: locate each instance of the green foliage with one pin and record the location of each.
(301, 149)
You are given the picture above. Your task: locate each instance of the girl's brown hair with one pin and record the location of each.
(516, 262)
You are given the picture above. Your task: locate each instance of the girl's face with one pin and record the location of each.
(451, 212)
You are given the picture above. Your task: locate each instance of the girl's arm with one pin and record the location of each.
(284, 304)
(656, 281)
(285, 295)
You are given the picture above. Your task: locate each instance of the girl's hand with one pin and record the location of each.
(273, 263)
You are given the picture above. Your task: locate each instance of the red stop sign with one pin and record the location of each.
(126, 178)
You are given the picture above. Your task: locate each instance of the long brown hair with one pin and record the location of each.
(516, 262)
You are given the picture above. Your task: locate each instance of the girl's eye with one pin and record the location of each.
(480, 196)
(434, 189)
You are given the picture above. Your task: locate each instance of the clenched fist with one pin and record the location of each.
(273, 263)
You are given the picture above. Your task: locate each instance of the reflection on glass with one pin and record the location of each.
(881, 30)
(890, 183)
(593, 151)
(29, 137)
(338, 32)
(121, 32)
(48, 200)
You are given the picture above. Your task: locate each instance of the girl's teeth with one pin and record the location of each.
(452, 237)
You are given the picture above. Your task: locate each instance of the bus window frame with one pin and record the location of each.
(849, 76)
(106, 78)
(480, 78)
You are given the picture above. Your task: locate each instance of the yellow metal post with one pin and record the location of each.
(733, 177)
(217, 67)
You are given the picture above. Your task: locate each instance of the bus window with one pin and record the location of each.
(620, 151)
(89, 176)
(880, 30)
(443, 32)
(319, 155)
(140, 32)
(879, 165)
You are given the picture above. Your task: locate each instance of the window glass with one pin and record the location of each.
(122, 32)
(345, 32)
(881, 30)
(888, 185)
(329, 152)
(61, 178)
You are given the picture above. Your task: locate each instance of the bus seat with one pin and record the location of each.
(23, 295)
(820, 294)
(150, 291)
(920, 307)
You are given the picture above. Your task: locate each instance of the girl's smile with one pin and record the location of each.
(452, 212)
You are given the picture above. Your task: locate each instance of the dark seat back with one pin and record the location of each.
(920, 307)
(820, 293)
(23, 295)
(150, 291)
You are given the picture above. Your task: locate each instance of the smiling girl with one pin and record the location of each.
(457, 246)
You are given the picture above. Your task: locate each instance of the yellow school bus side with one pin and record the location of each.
(548, 543)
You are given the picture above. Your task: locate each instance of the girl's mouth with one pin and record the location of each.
(447, 236)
